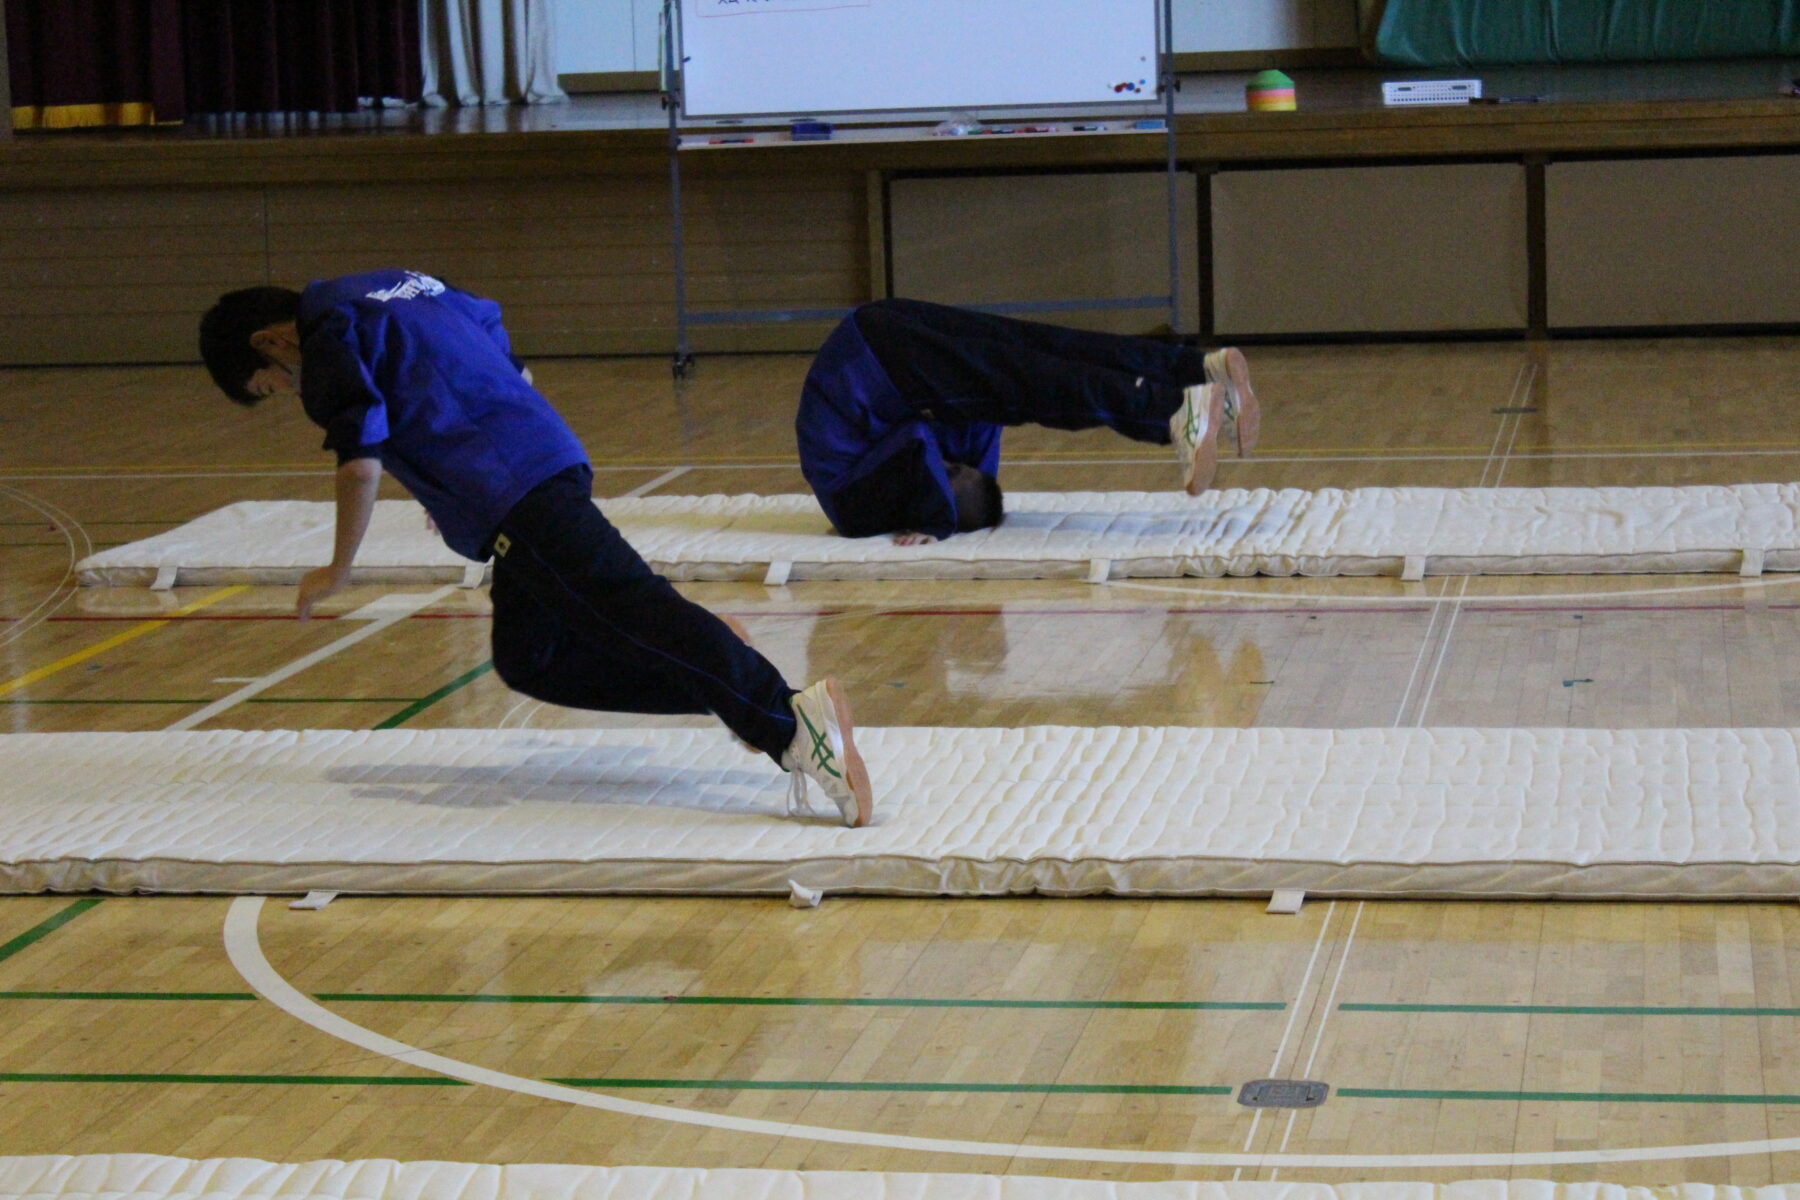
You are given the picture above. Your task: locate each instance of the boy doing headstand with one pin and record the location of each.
(900, 416)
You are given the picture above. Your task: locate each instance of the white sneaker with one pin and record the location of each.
(1194, 430)
(1226, 369)
(824, 750)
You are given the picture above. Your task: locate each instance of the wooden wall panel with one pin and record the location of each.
(988, 239)
(1370, 249)
(583, 266)
(586, 266)
(1683, 241)
(120, 276)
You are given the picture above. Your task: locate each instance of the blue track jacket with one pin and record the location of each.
(401, 366)
(875, 463)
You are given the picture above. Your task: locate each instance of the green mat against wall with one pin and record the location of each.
(1444, 33)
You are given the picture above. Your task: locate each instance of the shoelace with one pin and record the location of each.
(799, 798)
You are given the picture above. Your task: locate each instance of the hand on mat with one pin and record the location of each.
(315, 585)
(913, 539)
(430, 522)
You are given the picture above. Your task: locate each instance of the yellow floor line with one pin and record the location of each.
(117, 639)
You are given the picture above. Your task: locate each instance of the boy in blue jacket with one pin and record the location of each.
(409, 375)
(900, 416)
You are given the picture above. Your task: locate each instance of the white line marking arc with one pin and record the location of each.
(244, 949)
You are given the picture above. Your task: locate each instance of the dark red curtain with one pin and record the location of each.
(94, 62)
(135, 62)
(299, 55)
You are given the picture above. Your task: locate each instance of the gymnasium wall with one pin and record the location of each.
(581, 266)
(1443, 222)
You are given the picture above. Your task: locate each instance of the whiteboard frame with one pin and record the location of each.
(673, 104)
(675, 78)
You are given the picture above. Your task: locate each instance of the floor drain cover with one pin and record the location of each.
(1283, 1093)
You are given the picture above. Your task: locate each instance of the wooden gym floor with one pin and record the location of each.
(1456, 1030)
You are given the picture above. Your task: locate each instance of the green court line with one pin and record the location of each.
(1577, 1010)
(45, 928)
(765, 1001)
(1590, 1097)
(424, 702)
(815, 1085)
(797, 1001)
(121, 1077)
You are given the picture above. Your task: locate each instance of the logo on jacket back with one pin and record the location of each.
(416, 285)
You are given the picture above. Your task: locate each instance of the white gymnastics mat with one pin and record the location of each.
(154, 1177)
(1746, 528)
(1145, 811)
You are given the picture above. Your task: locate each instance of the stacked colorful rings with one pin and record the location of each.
(1270, 91)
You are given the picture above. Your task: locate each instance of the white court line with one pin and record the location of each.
(71, 530)
(1521, 394)
(1425, 644)
(244, 949)
(524, 721)
(669, 476)
(1443, 654)
(393, 617)
(1331, 998)
(1502, 446)
(1496, 464)
(1505, 436)
(1288, 1029)
(1319, 1037)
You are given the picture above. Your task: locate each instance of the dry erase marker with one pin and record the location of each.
(730, 141)
(1087, 128)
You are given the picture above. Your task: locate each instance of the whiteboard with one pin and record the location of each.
(783, 57)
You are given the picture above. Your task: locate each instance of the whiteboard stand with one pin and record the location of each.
(672, 68)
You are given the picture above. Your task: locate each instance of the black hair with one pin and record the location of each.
(225, 335)
(979, 502)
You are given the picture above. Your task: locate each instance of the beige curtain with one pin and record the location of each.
(489, 52)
